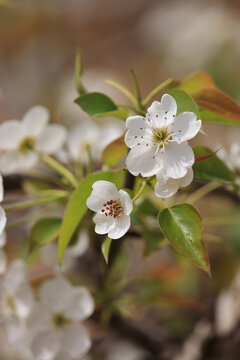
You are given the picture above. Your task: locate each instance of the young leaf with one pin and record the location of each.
(197, 81)
(43, 232)
(211, 168)
(95, 103)
(210, 116)
(77, 207)
(78, 74)
(105, 248)
(182, 226)
(184, 102)
(114, 152)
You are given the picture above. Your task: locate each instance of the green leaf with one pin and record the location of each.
(44, 231)
(212, 169)
(78, 74)
(209, 116)
(182, 226)
(96, 103)
(105, 248)
(184, 102)
(114, 151)
(119, 114)
(197, 81)
(77, 206)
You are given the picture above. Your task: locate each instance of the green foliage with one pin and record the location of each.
(212, 168)
(153, 241)
(77, 206)
(105, 248)
(182, 226)
(185, 102)
(96, 103)
(43, 232)
(119, 114)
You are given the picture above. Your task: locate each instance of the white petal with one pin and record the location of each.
(55, 293)
(51, 139)
(137, 127)
(3, 239)
(140, 160)
(187, 179)
(16, 330)
(35, 120)
(11, 133)
(102, 191)
(75, 340)
(16, 276)
(120, 227)
(13, 162)
(45, 346)
(169, 105)
(126, 202)
(3, 220)
(186, 126)
(80, 305)
(156, 114)
(81, 245)
(40, 318)
(24, 301)
(176, 159)
(1, 190)
(3, 262)
(103, 223)
(163, 114)
(166, 189)
(227, 313)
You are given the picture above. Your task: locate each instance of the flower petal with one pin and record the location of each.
(80, 305)
(24, 301)
(102, 192)
(75, 340)
(3, 220)
(187, 179)
(156, 114)
(45, 346)
(3, 239)
(81, 245)
(40, 318)
(176, 159)
(51, 139)
(126, 202)
(11, 133)
(1, 190)
(16, 330)
(35, 120)
(120, 227)
(166, 189)
(13, 162)
(185, 127)
(16, 276)
(163, 113)
(103, 223)
(3, 262)
(137, 127)
(54, 293)
(141, 160)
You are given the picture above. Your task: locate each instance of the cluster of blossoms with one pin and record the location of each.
(158, 146)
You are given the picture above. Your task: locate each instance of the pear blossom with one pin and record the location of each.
(55, 320)
(166, 187)
(113, 208)
(21, 140)
(72, 253)
(158, 142)
(16, 301)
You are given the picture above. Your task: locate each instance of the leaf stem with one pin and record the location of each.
(90, 160)
(138, 92)
(38, 201)
(139, 192)
(155, 91)
(124, 90)
(204, 190)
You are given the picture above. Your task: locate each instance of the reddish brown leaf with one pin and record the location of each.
(196, 82)
(199, 158)
(114, 151)
(218, 102)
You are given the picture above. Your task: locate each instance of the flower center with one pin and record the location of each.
(112, 208)
(26, 144)
(160, 136)
(59, 320)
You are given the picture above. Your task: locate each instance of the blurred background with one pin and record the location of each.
(158, 39)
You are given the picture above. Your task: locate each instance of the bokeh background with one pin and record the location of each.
(158, 39)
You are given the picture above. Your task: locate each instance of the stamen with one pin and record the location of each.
(112, 208)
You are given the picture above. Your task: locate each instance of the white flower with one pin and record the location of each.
(50, 253)
(113, 208)
(89, 134)
(166, 187)
(159, 141)
(16, 301)
(55, 320)
(20, 139)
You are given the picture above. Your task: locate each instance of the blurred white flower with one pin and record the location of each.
(158, 142)
(166, 187)
(21, 140)
(16, 301)
(89, 134)
(50, 253)
(126, 350)
(55, 320)
(113, 208)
